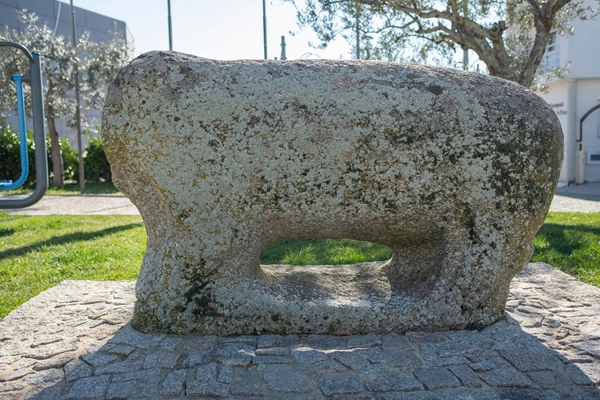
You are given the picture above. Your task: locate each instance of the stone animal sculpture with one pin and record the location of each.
(453, 171)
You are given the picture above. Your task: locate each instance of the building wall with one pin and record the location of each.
(582, 49)
(57, 15)
(588, 91)
(557, 97)
(98, 25)
(572, 97)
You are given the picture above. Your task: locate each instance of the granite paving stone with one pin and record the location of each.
(507, 360)
(368, 340)
(86, 388)
(194, 359)
(350, 360)
(248, 383)
(271, 360)
(436, 378)
(373, 369)
(225, 374)
(591, 371)
(120, 390)
(285, 379)
(394, 341)
(395, 358)
(306, 355)
(77, 369)
(340, 385)
(505, 377)
(525, 362)
(395, 381)
(207, 372)
(14, 375)
(325, 367)
(48, 375)
(173, 383)
(466, 376)
(206, 388)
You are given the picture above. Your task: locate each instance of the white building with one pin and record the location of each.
(576, 98)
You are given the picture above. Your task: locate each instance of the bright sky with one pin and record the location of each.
(218, 29)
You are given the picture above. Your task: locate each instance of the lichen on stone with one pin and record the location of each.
(453, 171)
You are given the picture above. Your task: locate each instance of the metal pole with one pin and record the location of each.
(283, 55)
(34, 77)
(78, 106)
(170, 26)
(265, 28)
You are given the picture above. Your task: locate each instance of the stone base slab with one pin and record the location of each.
(74, 341)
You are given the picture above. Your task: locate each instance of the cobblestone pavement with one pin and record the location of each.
(74, 342)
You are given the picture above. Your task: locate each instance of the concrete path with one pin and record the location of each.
(78, 205)
(74, 341)
(581, 198)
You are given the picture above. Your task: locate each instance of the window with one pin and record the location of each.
(598, 121)
(551, 57)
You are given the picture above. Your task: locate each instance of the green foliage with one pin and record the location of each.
(96, 166)
(95, 163)
(37, 253)
(96, 64)
(70, 159)
(508, 36)
(10, 168)
(10, 154)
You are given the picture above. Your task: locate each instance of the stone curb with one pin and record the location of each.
(74, 341)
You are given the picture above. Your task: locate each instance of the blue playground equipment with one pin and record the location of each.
(34, 78)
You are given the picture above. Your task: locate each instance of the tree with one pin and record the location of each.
(97, 66)
(508, 36)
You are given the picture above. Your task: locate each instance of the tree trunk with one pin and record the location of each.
(56, 154)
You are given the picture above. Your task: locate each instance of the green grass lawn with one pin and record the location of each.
(571, 243)
(37, 253)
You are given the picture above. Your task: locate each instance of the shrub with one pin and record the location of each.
(95, 163)
(70, 160)
(96, 167)
(10, 167)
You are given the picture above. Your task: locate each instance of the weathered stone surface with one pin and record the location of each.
(453, 171)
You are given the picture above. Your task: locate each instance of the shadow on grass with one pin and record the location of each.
(7, 232)
(565, 239)
(65, 239)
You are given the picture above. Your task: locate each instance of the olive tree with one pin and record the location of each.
(97, 64)
(508, 36)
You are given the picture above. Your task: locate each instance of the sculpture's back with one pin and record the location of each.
(453, 171)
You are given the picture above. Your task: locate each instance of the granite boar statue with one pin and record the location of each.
(453, 171)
